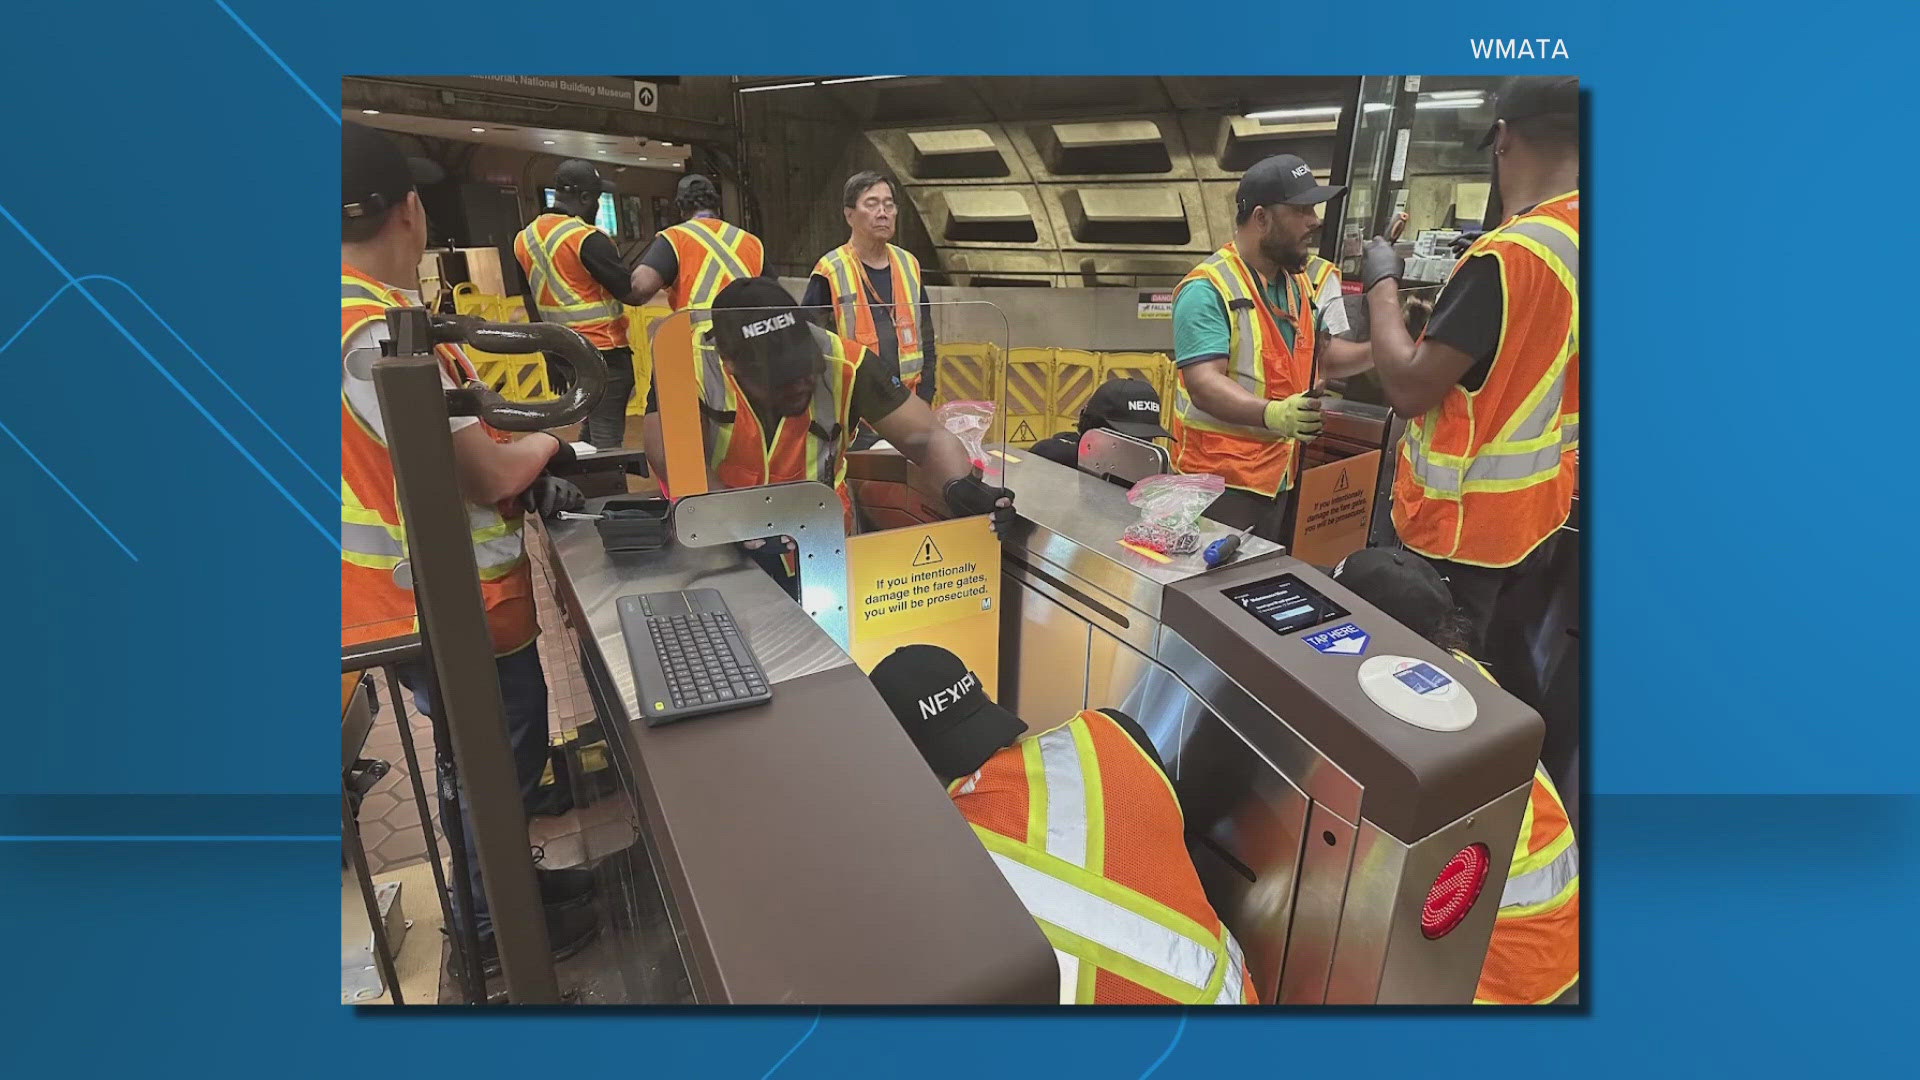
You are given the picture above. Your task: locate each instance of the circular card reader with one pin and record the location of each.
(1417, 692)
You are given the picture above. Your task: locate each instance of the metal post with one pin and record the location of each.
(465, 946)
(382, 950)
(453, 622)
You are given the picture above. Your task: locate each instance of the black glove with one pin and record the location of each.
(1378, 262)
(1464, 241)
(969, 495)
(549, 495)
(563, 458)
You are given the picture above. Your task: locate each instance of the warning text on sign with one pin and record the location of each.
(924, 589)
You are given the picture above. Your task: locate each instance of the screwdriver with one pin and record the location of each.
(1225, 549)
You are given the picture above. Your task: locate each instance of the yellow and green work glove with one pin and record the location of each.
(1297, 417)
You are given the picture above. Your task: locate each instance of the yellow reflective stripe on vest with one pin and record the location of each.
(354, 292)
(723, 254)
(1059, 875)
(908, 279)
(1101, 927)
(823, 456)
(1245, 363)
(846, 298)
(717, 396)
(1543, 883)
(1529, 450)
(824, 463)
(1063, 831)
(574, 310)
(1233, 988)
(366, 539)
(1556, 244)
(498, 557)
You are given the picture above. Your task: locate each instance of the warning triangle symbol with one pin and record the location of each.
(1024, 433)
(928, 554)
(1341, 484)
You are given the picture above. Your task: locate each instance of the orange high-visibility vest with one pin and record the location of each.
(1534, 955)
(1259, 359)
(1088, 832)
(853, 301)
(712, 255)
(1323, 281)
(807, 447)
(1485, 477)
(564, 290)
(374, 605)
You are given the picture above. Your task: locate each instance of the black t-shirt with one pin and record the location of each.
(663, 258)
(820, 295)
(877, 392)
(602, 260)
(1468, 315)
(1063, 448)
(1132, 727)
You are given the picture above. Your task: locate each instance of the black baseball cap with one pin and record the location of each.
(758, 327)
(1128, 406)
(693, 188)
(1400, 583)
(374, 175)
(946, 711)
(576, 175)
(1523, 97)
(1282, 178)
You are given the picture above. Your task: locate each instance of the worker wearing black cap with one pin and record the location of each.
(383, 233)
(780, 399)
(1488, 468)
(1082, 821)
(1128, 406)
(575, 278)
(697, 258)
(1246, 342)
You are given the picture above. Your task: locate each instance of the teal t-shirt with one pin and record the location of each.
(1200, 330)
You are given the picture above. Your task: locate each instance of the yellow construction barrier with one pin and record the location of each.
(1149, 368)
(1075, 374)
(1029, 395)
(640, 322)
(971, 371)
(517, 376)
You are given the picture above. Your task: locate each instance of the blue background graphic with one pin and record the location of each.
(167, 873)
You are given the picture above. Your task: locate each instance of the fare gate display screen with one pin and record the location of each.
(1284, 603)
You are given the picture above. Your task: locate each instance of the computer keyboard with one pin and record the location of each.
(689, 656)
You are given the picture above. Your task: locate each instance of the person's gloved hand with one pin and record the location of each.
(970, 495)
(563, 458)
(1297, 417)
(1464, 241)
(1378, 262)
(549, 495)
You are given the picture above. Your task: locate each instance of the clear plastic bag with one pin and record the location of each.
(1170, 508)
(968, 421)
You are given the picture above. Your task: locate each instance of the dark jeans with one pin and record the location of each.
(606, 426)
(523, 698)
(1521, 622)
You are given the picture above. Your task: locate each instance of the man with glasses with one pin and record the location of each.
(871, 292)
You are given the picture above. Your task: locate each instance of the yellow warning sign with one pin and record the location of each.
(927, 585)
(929, 553)
(1024, 433)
